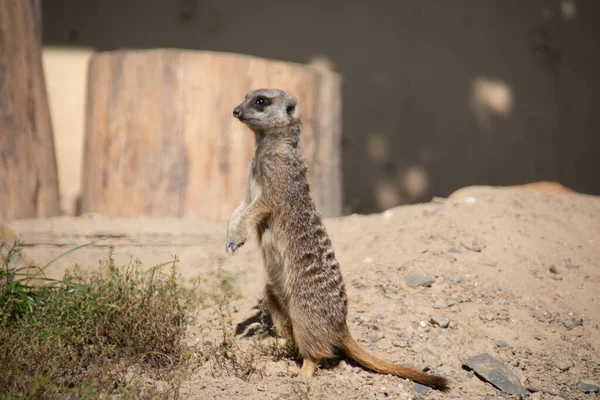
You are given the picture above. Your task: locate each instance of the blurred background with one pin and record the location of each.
(436, 95)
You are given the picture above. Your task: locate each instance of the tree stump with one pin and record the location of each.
(161, 139)
(28, 177)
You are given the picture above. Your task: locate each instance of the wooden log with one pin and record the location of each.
(161, 139)
(28, 177)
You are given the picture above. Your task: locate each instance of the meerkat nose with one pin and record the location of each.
(237, 112)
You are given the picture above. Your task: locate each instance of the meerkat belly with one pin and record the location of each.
(273, 261)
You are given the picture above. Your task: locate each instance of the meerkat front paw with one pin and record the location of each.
(234, 242)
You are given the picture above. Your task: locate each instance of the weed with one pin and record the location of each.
(301, 389)
(80, 335)
(244, 360)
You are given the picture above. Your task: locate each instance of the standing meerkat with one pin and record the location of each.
(305, 293)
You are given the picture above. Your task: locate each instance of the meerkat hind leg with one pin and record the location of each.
(280, 319)
(309, 367)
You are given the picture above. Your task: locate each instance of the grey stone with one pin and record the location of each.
(421, 389)
(441, 320)
(454, 250)
(376, 337)
(564, 365)
(588, 386)
(549, 391)
(496, 373)
(414, 280)
(375, 317)
(570, 324)
(473, 246)
(501, 343)
(441, 303)
(430, 360)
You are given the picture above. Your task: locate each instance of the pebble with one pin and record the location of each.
(501, 343)
(441, 320)
(414, 280)
(430, 360)
(454, 250)
(562, 396)
(440, 304)
(421, 389)
(451, 302)
(495, 372)
(470, 200)
(473, 247)
(570, 324)
(376, 336)
(588, 386)
(400, 343)
(564, 365)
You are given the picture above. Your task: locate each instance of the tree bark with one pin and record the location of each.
(161, 139)
(28, 176)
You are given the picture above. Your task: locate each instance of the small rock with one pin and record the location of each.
(473, 246)
(454, 250)
(572, 323)
(562, 396)
(501, 343)
(549, 391)
(441, 320)
(421, 389)
(493, 371)
(532, 389)
(588, 386)
(452, 302)
(400, 343)
(376, 336)
(564, 365)
(552, 269)
(441, 303)
(376, 317)
(430, 359)
(489, 317)
(470, 200)
(414, 280)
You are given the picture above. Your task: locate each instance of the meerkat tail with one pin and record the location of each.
(355, 352)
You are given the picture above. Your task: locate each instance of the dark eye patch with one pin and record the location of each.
(290, 109)
(262, 101)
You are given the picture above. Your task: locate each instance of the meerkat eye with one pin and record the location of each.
(261, 101)
(290, 109)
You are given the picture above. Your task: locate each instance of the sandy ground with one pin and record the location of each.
(516, 274)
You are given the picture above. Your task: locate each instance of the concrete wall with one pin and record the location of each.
(437, 94)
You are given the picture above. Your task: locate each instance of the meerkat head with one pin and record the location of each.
(265, 109)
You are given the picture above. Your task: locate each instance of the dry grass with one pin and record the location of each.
(119, 330)
(234, 356)
(81, 334)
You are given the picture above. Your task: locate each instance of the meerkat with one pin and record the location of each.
(304, 294)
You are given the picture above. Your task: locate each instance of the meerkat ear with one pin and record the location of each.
(290, 109)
